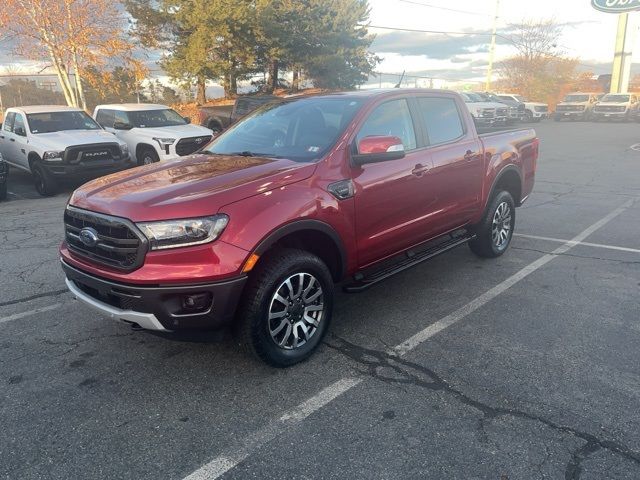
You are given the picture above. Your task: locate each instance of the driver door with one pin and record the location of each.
(392, 198)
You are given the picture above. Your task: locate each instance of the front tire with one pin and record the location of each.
(3, 190)
(45, 185)
(147, 156)
(495, 231)
(286, 307)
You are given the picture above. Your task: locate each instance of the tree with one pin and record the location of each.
(538, 70)
(72, 35)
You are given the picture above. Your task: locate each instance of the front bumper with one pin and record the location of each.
(540, 115)
(610, 115)
(158, 307)
(86, 170)
(572, 115)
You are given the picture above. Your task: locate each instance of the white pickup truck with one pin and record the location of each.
(152, 132)
(56, 143)
(534, 111)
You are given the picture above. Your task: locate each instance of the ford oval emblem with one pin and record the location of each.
(89, 237)
(199, 140)
(616, 6)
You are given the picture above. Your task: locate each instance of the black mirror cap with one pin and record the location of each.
(187, 120)
(360, 160)
(122, 126)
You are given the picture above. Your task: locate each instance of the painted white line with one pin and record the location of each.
(485, 298)
(17, 316)
(225, 462)
(636, 147)
(585, 244)
(234, 456)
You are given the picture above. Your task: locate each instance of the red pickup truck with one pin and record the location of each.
(255, 229)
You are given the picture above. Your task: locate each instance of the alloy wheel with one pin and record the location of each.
(501, 226)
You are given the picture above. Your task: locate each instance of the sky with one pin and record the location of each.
(587, 34)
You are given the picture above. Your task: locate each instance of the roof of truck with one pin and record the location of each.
(47, 109)
(133, 107)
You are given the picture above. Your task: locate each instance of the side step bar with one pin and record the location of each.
(411, 259)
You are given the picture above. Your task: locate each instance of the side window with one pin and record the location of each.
(18, 126)
(441, 119)
(105, 118)
(119, 116)
(8, 122)
(392, 118)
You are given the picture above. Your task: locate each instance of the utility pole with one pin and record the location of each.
(625, 39)
(492, 50)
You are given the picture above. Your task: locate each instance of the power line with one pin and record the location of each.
(445, 8)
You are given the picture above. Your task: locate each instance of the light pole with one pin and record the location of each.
(492, 49)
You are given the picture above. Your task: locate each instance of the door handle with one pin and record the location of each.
(420, 170)
(12, 139)
(469, 155)
(1, 137)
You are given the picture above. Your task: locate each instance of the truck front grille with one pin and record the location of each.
(187, 146)
(92, 152)
(488, 113)
(570, 108)
(541, 109)
(501, 112)
(117, 243)
(610, 108)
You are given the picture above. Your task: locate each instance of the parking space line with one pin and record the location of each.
(585, 244)
(17, 316)
(225, 462)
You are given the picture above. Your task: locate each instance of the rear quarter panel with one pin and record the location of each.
(516, 148)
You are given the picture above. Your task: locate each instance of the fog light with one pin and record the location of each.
(195, 302)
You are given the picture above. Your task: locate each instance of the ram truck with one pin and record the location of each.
(255, 230)
(57, 144)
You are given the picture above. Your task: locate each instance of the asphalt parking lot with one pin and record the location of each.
(523, 367)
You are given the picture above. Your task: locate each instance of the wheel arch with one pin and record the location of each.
(509, 179)
(143, 145)
(32, 158)
(314, 236)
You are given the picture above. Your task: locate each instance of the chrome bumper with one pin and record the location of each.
(144, 320)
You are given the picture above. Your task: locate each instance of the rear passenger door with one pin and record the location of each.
(458, 166)
(6, 137)
(20, 143)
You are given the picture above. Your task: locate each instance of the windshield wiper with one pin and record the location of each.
(248, 153)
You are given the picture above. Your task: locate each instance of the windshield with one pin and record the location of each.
(576, 98)
(615, 98)
(60, 121)
(156, 118)
(302, 130)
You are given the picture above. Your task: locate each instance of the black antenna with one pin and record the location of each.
(401, 78)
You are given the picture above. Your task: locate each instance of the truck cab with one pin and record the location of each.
(57, 144)
(153, 133)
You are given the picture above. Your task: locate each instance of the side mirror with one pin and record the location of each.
(122, 126)
(20, 131)
(187, 120)
(375, 149)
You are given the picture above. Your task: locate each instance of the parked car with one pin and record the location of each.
(218, 118)
(56, 143)
(153, 133)
(534, 111)
(483, 114)
(256, 229)
(616, 106)
(4, 177)
(516, 108)
(576, 106)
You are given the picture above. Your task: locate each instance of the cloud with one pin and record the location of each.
(434, 46)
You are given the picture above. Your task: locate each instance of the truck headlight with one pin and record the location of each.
(164, 142)
(183, 233)
(52, 156)
(124, 149)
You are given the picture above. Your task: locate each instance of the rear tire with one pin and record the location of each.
(45, 185)
(147, 156)
(495, 231)
(288, 300)
(3, 190)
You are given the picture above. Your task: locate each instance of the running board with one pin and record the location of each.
(411, 259)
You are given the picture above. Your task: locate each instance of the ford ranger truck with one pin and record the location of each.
(576, 106)
(255, 230)
(153, 133)
(59, 144)
(616, 106)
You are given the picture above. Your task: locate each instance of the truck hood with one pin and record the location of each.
(177, 132)
(475, 106)
(536, 104)
(612, 104)
(61, 140)
(195, 186)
